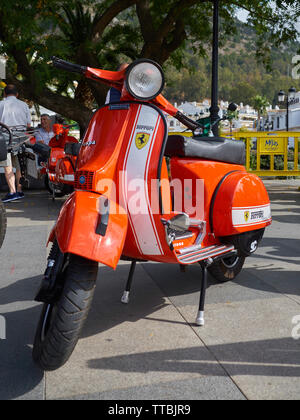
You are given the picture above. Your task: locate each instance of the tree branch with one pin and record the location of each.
(145, 19)
(176, 12)
(101, 22)
(156, 46)
(255, 12)
(68, 107)
(179, 35)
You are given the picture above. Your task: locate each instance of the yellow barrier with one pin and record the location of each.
(261, 144)
(280, 143)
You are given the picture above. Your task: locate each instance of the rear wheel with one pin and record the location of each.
(61, 323)
(3, 223)
(227, 269)
(58, 192)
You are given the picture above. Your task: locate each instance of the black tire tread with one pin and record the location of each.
(71, 313)
(50, 190)
(223, 274)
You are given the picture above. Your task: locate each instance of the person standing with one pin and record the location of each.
(13, 112)
(45, 133)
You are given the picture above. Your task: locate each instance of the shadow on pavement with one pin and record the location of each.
(289, 204)
(18, 374)
(258, 358)
(36, 206)
(282, 247)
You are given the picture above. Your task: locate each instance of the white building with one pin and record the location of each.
(276, 118)
(193, 110)
(196, 110)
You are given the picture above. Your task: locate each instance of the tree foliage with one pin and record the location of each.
(241, 77)
(105, 32)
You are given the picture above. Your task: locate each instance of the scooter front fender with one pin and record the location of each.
(83, 229)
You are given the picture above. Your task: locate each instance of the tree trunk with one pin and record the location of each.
(67, 107)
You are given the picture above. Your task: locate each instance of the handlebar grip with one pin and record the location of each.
(191, 124)
(66, 65)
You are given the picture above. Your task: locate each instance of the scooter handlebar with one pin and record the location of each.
(191, 124)
(66, 65)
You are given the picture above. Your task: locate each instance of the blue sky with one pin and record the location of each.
(242, 15)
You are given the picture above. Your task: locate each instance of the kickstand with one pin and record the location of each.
(200, 316)
(125, 297)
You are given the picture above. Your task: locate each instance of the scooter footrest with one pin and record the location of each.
(196, 254)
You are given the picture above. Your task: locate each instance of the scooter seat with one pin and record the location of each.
(210, 148)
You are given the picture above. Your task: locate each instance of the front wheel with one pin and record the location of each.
(227, 269)
(61, 323)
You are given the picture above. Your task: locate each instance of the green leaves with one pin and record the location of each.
(104, 33)
(260, 104)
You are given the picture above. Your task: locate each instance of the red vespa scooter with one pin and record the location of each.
(205, 208)
(61, 162)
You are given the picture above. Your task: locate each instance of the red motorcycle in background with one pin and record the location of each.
(141, 195)
(60, 157)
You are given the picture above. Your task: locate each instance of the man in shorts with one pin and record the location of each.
(13, 112)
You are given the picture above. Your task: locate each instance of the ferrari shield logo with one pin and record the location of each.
(141, 140)
(247, 215)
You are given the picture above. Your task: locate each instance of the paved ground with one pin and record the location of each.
(151, 349)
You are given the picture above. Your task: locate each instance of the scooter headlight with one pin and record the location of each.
(144, 79)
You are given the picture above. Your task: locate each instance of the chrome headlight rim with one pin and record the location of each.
(131, 67)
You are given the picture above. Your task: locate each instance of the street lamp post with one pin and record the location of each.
(214, 110)
(290, 96)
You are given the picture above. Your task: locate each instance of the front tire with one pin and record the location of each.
(3, 223)
(227, 269)
(61, 323)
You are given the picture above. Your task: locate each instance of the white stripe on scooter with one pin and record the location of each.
(247, 216)
(125, 178)
(147, 189)
(135, 168)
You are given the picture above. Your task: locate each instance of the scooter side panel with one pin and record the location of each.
(76, 226)
(242, 204)
(195, 182)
